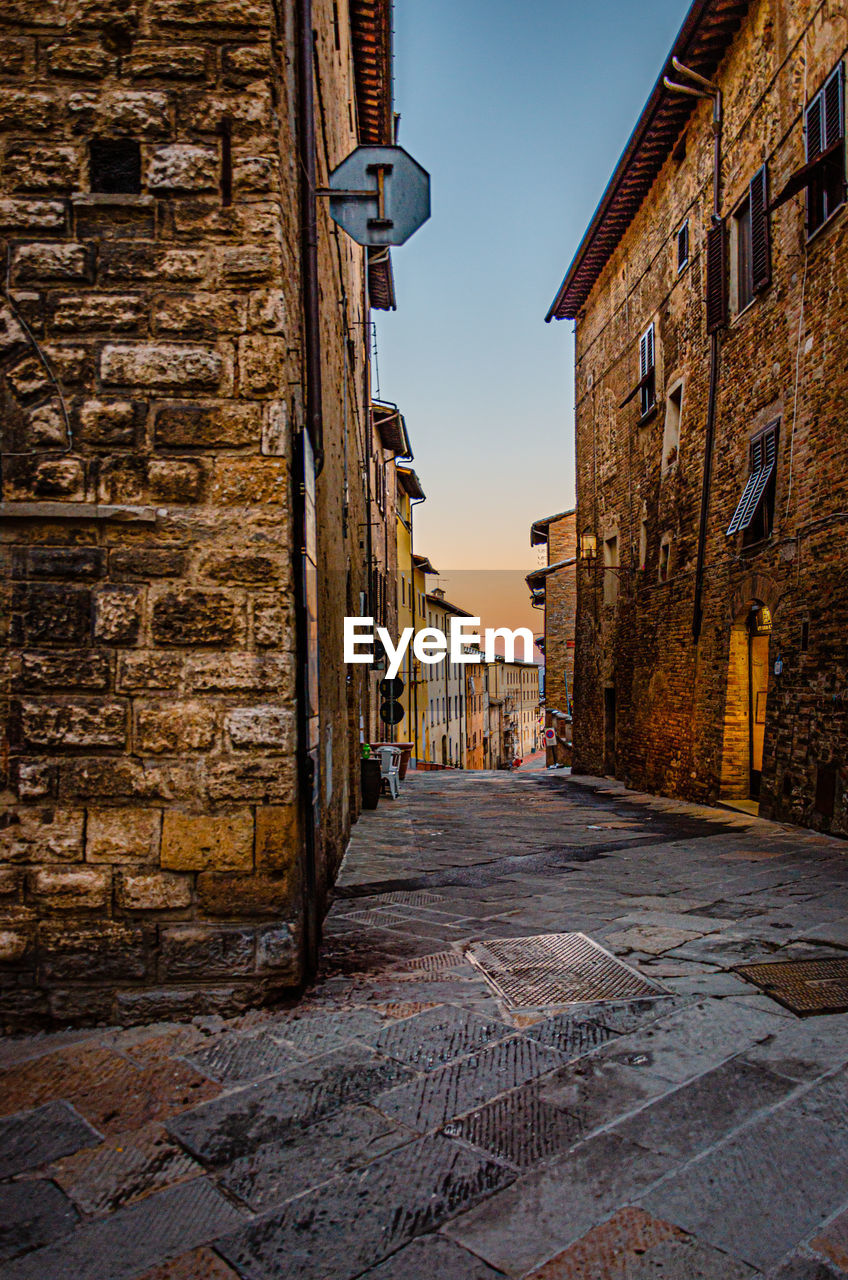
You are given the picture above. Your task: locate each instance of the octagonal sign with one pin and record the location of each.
(379, 195)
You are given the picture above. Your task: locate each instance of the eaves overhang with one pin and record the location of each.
(422, 563)
(371, 34)
(539, 528)
(410, 483)
(703, 40)
(391, 428)
(381, 280)
(537, 577)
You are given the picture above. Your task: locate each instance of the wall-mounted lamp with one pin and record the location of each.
(588, 546)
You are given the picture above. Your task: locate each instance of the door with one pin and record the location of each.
(609, 731)
(759, 631)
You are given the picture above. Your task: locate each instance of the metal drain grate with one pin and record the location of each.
(557, 969)
(803, 986)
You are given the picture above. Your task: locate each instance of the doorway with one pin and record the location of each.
(745, 704)
(609, 731)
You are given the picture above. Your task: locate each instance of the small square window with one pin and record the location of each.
(683, 246)
(115, 166)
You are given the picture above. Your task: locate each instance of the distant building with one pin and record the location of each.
(444, 689)
(554, 589)
(476, 715)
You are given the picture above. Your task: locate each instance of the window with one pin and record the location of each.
(742, 257)
(643, 541)
(716, 277)
(665, 560)
(610, 570)
(752, 242)
(754, 515)
(824, 134)
(683, 246)
(671, 429)
(114, 166)
(647, 372)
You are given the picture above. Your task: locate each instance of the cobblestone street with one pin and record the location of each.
(414, 1119)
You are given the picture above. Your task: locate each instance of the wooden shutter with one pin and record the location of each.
(760, 232)
(833, 109)
(646, 353)
(683, 246)
(716, 278)
(814, 130)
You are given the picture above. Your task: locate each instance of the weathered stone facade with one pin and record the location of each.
(666, 698)
(153, 389)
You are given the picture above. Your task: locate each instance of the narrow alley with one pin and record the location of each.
(413, 1117)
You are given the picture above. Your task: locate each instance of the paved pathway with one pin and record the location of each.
(406, 1123)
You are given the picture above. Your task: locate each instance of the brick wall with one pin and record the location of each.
(151, 358)
(673, 697)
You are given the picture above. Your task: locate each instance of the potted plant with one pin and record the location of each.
(370, 778)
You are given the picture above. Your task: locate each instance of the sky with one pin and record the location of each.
(519, 110)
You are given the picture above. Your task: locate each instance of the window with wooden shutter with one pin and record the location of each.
(760, 231)
(824, 140)
(716, 278)
(683, 246)
(755, 510)
(647, 371)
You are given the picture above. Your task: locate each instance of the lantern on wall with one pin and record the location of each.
(588, 546)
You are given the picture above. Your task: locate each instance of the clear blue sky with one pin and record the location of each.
(519, 109)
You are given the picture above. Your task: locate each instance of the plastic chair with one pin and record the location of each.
(390, 768)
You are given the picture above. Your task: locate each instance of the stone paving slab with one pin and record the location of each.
(131, 1239)
(32, 1214)
(631, 1245)
(697, 1115)
(198, 1264)
(33, 1138)
(232, 1058)
(548, 1209)
(432, 1258)
(350, 1225)
(802, 1049)
(696, 1038)
(728, 1196)
(428, 1101)
(520, 1127)
(237, 1123)
(599, 1091)
(306, 1158)
(124, 1169)
(434, 1038)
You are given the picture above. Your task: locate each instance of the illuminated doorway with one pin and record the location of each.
(745, 704)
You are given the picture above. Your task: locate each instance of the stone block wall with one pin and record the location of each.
(671, 694)
(151, 362)
(560, 613)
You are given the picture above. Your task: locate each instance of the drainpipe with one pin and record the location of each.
(705, 89)
(309, 234)
(308, 460)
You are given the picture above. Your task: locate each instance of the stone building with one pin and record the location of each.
(710, 297)
(184, 388)
(444, 690)
(554, 589)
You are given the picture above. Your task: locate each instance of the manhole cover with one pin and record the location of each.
(804, 986)
(557, 968)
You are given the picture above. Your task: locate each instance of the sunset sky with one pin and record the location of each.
(508, 106)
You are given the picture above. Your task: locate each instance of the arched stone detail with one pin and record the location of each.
(754, 586)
